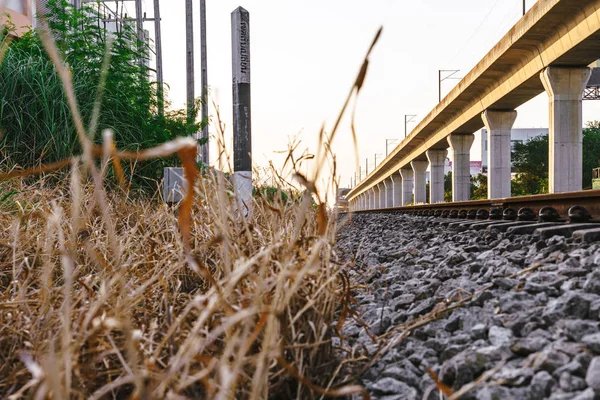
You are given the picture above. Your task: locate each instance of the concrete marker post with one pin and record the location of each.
(242, 132)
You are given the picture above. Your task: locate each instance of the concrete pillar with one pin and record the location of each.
(407, 184)
(376, 198)
(420, 186)
(565, 88)
(382, 194)
(389, 194)
(499, 125)
(460, 145)
(437, 161)
(396, 189)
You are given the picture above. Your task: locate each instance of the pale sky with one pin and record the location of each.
(305, 56)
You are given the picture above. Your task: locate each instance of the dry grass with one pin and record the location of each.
(86, 314)
(107, 295)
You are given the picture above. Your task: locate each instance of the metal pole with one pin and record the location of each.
(189, 26)
(439, 86)
(159, 62)
(366, 167)
(204, 150)
(242, 128)
(139, 17)
(524, 7)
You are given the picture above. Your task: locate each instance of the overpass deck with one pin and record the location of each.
(553, 33)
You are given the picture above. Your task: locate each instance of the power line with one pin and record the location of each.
(475, 32)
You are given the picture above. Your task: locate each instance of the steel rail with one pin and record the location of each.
(561, 202)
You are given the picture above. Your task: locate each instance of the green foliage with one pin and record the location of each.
(479, 187)
(530, 160)
(35, 119)
(448, 187)
(591, 152)
(270, 193)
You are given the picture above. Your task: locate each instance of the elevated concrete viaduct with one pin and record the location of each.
(549, 50)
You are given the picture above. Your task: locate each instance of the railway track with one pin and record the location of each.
(574, 214)
(505, 293)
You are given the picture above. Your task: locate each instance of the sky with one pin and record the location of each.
(305, 57)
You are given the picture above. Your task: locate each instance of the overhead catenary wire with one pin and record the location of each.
(483, 21)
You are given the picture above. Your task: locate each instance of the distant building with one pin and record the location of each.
(23, 13)
(20, 14)
(516, 136)
(475, 167)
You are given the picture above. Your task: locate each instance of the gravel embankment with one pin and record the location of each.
(536, 309)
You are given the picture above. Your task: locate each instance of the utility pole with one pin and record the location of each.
(366, 167)
(204, 150)
(451, 74)
(408, 118)
(390, 141)
(189, 27)
(375, 159)
(160, 92)
(139, 20)
(524, 7)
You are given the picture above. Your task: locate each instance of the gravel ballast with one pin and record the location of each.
(520, 316)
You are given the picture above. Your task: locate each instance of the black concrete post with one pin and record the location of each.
(242, 132)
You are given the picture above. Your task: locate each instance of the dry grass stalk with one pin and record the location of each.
(109, 295)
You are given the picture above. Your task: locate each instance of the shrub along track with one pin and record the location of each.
(490, 308)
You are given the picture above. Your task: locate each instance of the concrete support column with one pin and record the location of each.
(376, 198)
(382, 195)
(437, 161)
(373, 199)
(407, 184)
(420, 186)
(389, 194)
(565, 88)
(396, 189)
(499, 125)
(460, 145)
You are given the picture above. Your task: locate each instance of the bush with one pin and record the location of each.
(34, 115)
